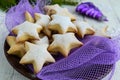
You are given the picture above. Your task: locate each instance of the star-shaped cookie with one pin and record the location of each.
(29, 17)
(102, 32)
(56, 9)
(27, 31)
(43, 40)
(43, 20)
(84, 28)
(63, 43)
(61, 24)
(17, 49)
(36, 55)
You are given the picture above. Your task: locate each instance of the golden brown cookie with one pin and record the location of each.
(43, 20)
(37, 55)
(27, 31)
(84, 28)
(62, 24)
(29, 17)
(43, 40)
(102, 32)
(63, 43)
(56, 9)
(17, 49)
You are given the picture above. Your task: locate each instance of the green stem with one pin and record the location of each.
(65, 2)
(5, 4)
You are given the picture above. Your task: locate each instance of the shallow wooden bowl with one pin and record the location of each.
(14, 61)
(24, 70)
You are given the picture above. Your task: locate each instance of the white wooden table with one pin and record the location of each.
(111, 8)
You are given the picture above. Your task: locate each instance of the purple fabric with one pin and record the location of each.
(89, 9)
(90, 62)
(16, 14)
(116, 45)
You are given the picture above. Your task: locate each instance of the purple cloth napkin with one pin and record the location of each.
(92, 61)
(16, 14)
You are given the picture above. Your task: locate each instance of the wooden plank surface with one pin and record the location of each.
(116, 9)
(6, 71)
(109, 7)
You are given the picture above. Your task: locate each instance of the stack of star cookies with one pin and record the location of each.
(38, 38)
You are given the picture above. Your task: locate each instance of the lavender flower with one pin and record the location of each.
(90, 10)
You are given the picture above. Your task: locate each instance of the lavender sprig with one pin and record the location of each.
(90, 10)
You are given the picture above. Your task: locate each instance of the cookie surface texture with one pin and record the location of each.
(63, 43)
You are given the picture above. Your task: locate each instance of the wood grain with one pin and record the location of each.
(6, 71)
(108, 11)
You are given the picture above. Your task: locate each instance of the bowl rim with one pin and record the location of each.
(25, 69)
(18, 67)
